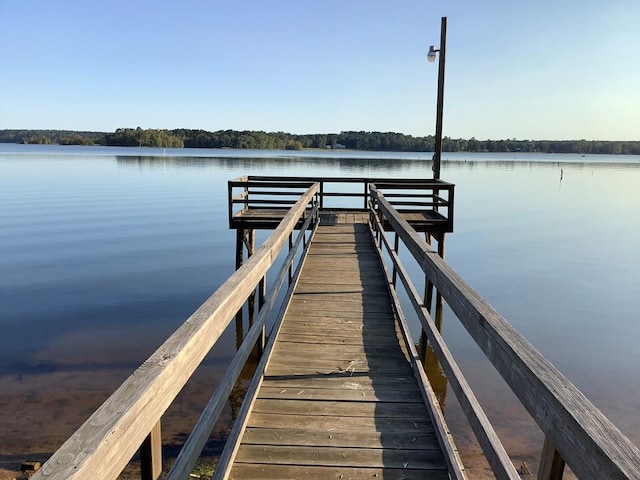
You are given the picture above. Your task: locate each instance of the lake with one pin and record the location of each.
(104, 251)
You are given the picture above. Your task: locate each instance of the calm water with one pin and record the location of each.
(104, 252)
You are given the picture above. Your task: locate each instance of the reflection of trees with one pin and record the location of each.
(355, 165)
(351, 165)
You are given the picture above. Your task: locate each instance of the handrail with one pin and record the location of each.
(493, 449)
(196, 441)
(586, 440)
(232, 444)
(104, 444)
(445, 438)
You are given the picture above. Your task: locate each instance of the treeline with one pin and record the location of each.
(256, 140)
(259, 140)
(52, 137)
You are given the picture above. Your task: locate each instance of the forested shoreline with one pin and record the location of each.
(260, 140)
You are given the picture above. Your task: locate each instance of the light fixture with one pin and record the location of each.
(431, 56)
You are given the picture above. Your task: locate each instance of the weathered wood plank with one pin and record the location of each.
(346, 330)
(300, 306)
(373, 324)
(302, 311)
(345, 409)
(244, 471)
(312, 371)
(361, 362)
(344, 352)
(405, 395)
(353, 382)
(323, 285)
(319, 438)
(328, 282)
(349, 457)
(330, 339)
(339, 423)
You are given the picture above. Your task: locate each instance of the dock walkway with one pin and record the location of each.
(339, 398)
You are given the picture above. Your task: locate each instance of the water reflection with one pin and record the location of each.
(384, 166)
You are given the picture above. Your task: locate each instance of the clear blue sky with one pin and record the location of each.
(550, 69)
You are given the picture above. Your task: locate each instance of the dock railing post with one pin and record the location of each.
(441, 250)
(396, 247)
(551, 463)
(262, 293)
(290, 275)
(428, 296)
(151, 455)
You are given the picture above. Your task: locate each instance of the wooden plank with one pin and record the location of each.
(311, 372)
(350, 319)
(406, 395)
(348, 457)
(354, 315)
(339, 423)
(353, 382)
(334, 408)
(294, 352)
(295, 472)
(355, 363)
(344, 352)
(373, 295)
(335, 340)
(321, 283)
(318, 438)
(303, 307)
(339, 325)
(345, 330)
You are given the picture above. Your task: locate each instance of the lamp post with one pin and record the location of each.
(431, 57)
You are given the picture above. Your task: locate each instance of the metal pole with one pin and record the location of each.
(437, 154)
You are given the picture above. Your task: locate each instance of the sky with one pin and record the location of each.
(549, 69)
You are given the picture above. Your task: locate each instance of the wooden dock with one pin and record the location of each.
(339, 398)
(340, 390)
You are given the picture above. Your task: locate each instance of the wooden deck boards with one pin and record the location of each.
(339, 398)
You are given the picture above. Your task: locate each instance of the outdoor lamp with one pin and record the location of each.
(431, 56)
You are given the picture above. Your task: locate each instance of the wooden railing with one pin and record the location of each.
(348, 193)
(576, 431)
(130, 418)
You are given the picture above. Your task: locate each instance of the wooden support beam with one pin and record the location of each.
(151, 455)
(551, 463)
